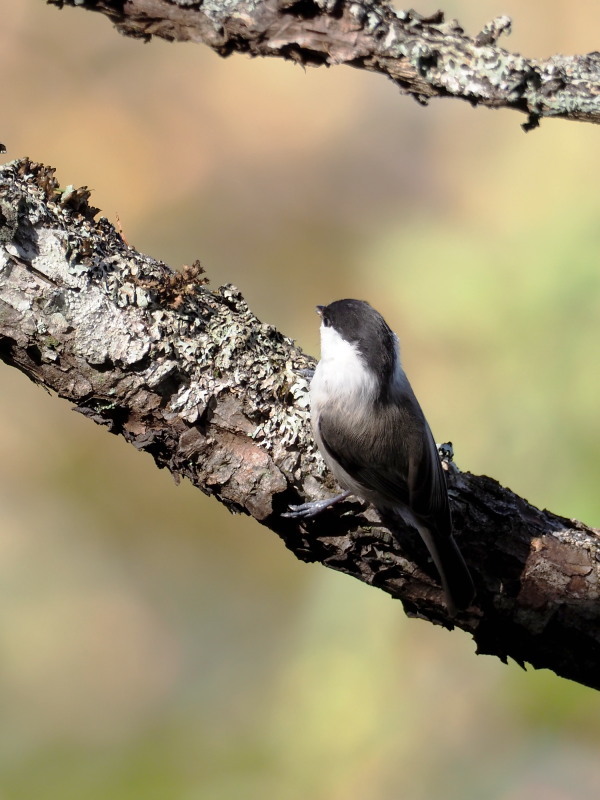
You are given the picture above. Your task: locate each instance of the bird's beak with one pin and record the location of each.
(319, 310)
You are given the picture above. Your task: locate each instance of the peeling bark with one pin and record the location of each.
(425, 56)
(191, 376)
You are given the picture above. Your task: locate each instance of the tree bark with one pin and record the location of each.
(425, 56)
(191, 376)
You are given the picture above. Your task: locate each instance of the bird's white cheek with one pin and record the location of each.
(334, 347)
(341, 372)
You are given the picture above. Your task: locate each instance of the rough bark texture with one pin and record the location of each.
(191, 376)
(425, 56)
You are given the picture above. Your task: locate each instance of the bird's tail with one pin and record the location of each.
(455, 576)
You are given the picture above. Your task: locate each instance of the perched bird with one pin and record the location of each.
(374, 437)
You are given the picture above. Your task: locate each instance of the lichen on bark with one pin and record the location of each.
(426, 56)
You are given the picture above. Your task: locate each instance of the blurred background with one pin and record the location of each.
(152, 645)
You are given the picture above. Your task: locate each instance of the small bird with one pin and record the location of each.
(374, 437)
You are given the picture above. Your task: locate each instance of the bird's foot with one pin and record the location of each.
(307, 373)
(308, 510)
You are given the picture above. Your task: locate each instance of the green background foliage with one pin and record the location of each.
(152, 645)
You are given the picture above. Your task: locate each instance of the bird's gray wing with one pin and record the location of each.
(428, 492)
(407, 474)
(361, 452)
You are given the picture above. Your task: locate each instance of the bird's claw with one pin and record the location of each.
(314, 507)
(306, 510)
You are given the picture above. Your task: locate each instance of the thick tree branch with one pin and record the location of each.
(425, 56)
(192, 377)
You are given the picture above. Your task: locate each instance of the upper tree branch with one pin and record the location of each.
(425, 56)
(191, 376)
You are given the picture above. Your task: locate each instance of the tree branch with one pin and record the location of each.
(425, 56)
(192, 377)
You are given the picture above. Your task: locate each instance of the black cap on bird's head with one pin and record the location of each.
(361, 325)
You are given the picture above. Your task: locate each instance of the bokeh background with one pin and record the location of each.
(152, 645)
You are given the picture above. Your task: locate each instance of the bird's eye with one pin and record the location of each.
(326, 322)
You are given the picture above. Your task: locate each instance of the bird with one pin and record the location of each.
(372, 433)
